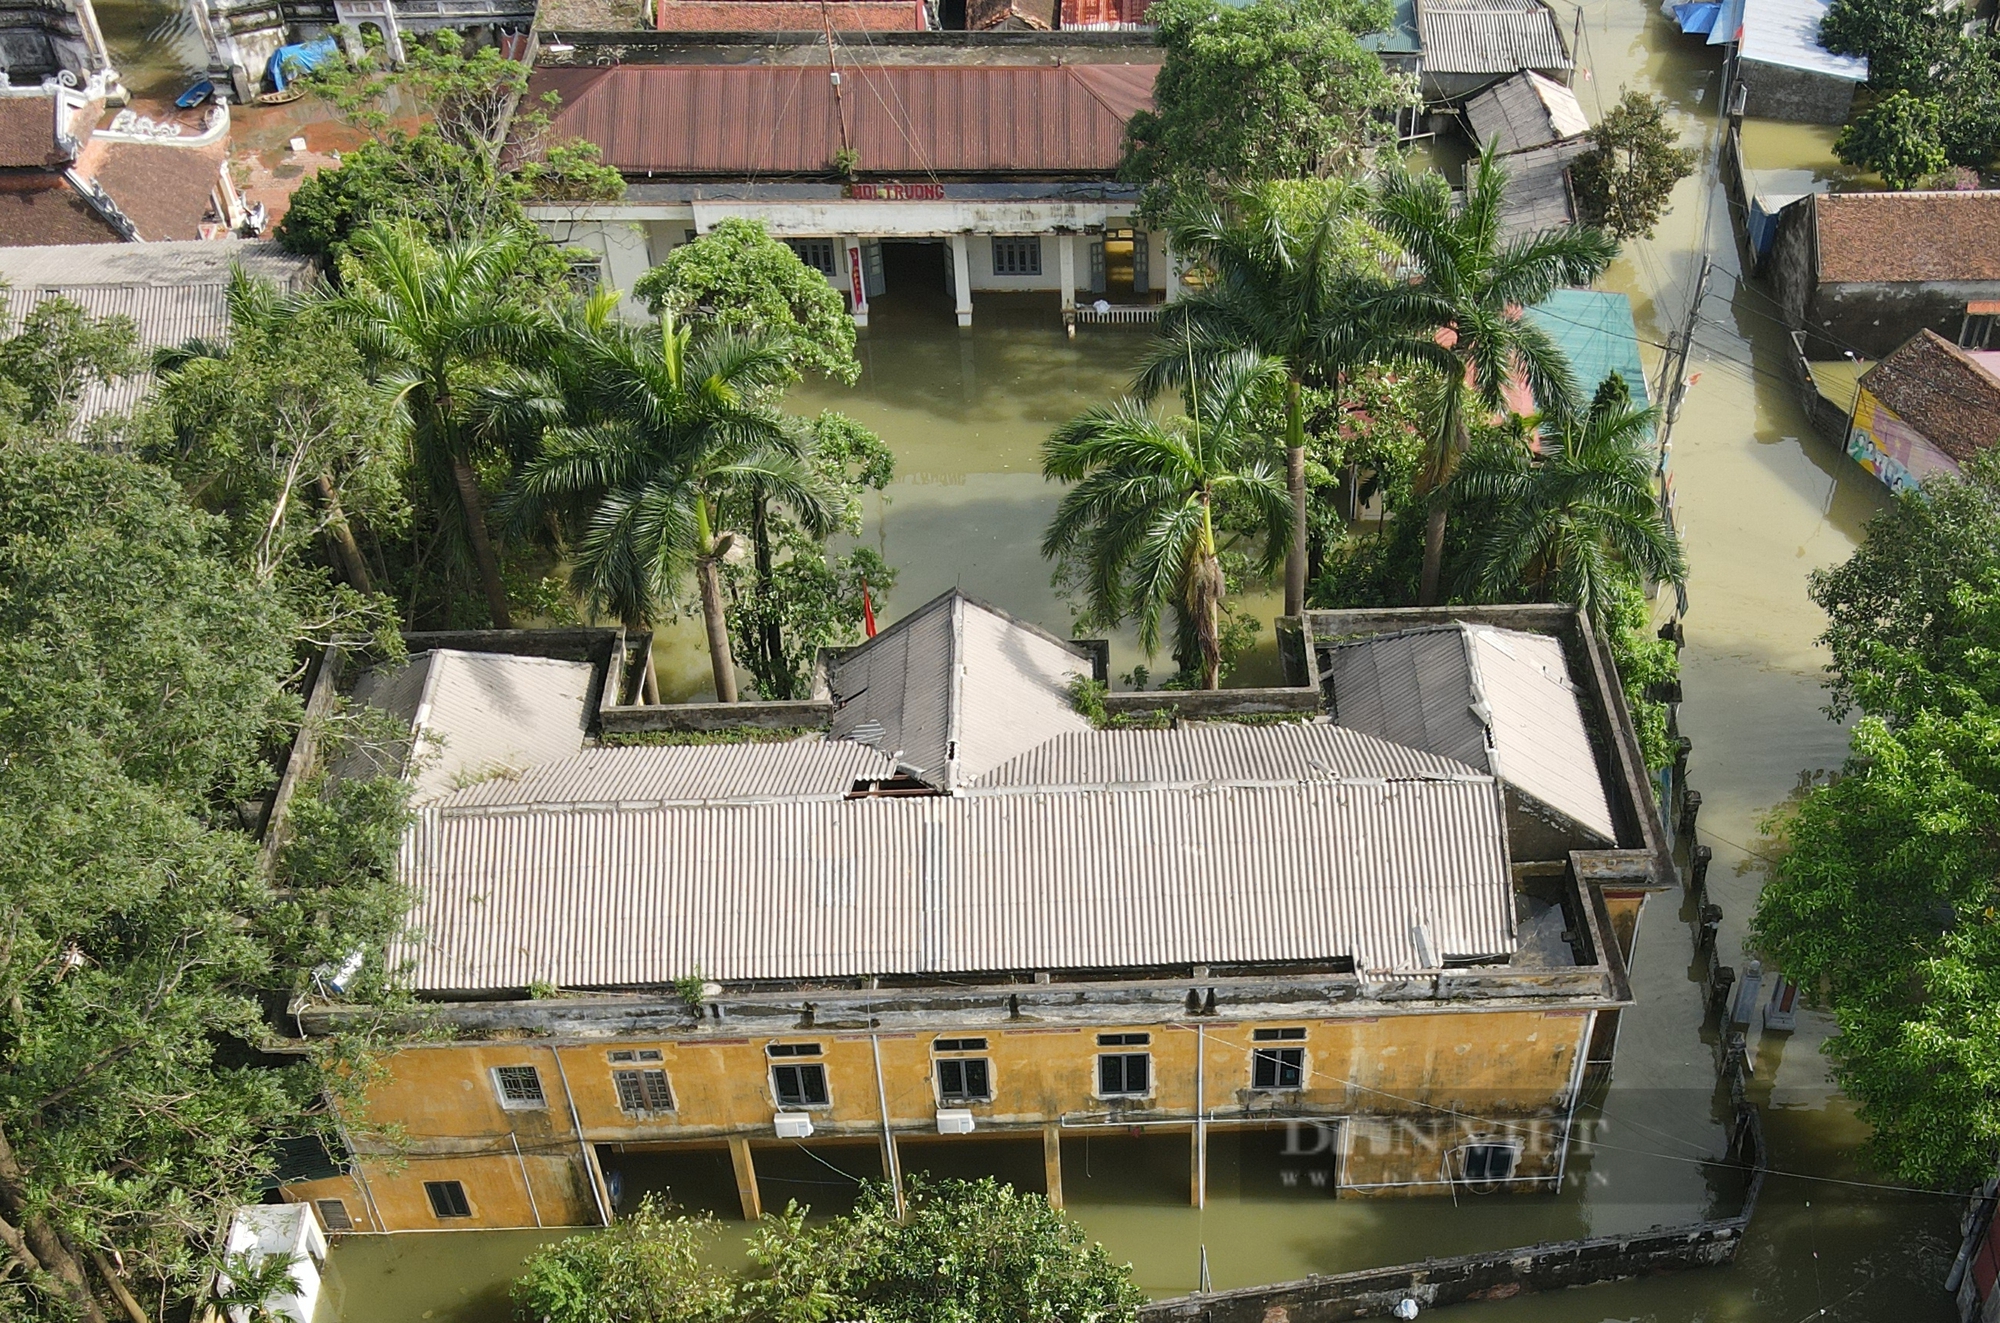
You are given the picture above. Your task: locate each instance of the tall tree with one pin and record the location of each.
(1624, 182)
(143, 680)
(1881, 897)
(1574, 520)
(1266, 90)
(659, 430)
(1281, 262)
(58, 353)
(281, 431)
(1141, 520)
(1461, 313)
(434, 324)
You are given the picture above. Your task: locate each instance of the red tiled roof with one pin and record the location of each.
(1908, 237)
(1937, 388)
(28, 132)
(738, 120)
(788, 16)
(39, 207)
(164, 191)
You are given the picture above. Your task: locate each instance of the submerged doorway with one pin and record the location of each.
(916, 279)
(1126, 278)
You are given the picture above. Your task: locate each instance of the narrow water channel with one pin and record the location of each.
(1763, 501)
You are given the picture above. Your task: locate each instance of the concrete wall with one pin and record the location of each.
(1776, 92)
(1874, 318)
(444, 1101)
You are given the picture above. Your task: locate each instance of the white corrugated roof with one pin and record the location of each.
(943, 885)
(1495, 698)
(1218, 753)
(1525, 111)
(811, 768)
(1489, 36)
(476, 716)
(955, 689)
(1786, 33)
(173, 292)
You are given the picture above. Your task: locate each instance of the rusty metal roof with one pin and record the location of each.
(737, 121)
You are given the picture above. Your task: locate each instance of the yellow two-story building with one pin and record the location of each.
(965, 931)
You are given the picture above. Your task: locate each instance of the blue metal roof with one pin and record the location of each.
(1595, 328)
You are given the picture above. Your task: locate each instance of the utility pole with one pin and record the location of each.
(833, 71)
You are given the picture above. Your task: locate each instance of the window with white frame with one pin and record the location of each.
(1017, 255)
(797, 1083)
(1277, 1067)
(964, 1079)
(815, 253)
(1124, 1074)
(519, 1087)
(1484, 1164)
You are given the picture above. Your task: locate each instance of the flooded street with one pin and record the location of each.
(1762, 502)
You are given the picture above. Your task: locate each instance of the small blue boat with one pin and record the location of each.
(195, 95)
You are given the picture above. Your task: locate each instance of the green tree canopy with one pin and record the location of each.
(738, 278)
(1900, 137)
(143, 681)
(1272, 89)
(1624, 182)
(59, 352)
(961, 1252)
(1140, 529)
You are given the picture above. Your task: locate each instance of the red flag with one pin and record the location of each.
(867, 610)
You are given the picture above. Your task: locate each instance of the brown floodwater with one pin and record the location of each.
(1763, 501)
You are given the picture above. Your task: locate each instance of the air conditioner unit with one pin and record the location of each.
(954, 1121)
(793, 1125)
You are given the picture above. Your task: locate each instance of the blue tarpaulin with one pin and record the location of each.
(1699, 18)
(289, 60)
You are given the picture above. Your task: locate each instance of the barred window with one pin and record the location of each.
(1017, 256)
(519, 1086)
(643, 1090)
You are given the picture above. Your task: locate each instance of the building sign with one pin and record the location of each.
(895, 192)
(854, 274)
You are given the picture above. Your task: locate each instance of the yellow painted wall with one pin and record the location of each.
(444, 1101)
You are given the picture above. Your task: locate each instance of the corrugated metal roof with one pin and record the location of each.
(1493, 698)
(743, 120)
(1538, 195)
(1595, 331)
(1786, 33)
(940, 885)
(1489, 36)
(1219, 753)
(173, 292)
(480, 715)
(1525, 111)
(811, 768)
(956, 688)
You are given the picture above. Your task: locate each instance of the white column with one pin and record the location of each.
(857, 282)
(961, 279)
(1068, 247)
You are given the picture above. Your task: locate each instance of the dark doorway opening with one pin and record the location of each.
(697, 1180)
(951, 15)
(1121, 265)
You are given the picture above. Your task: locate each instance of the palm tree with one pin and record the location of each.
(432, 320)
(1459, 312)
(1141, 517)
(1562, 524)
(657, 428)
(1281, 263)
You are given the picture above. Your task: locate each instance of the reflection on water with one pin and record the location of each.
(1763, 502)
(153, 43)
